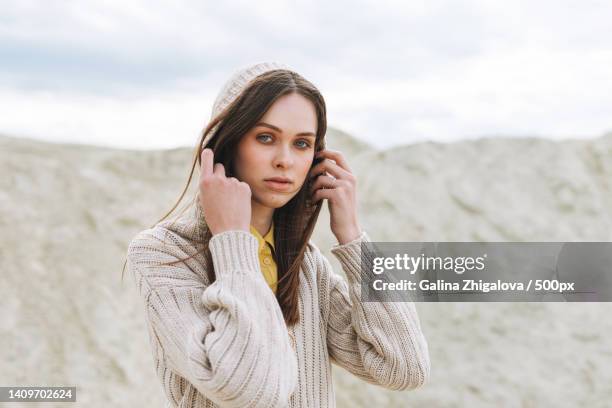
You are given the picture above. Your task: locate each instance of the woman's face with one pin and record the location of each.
(280, 145)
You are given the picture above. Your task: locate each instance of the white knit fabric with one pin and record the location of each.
(226, 344)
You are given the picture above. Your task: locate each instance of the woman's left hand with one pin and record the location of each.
(339, 188)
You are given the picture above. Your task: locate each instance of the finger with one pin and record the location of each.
(245, 186)
(219, 169)
(329, 167)
(336, 156)
(207, 158)
(323, 193)
(324, 182)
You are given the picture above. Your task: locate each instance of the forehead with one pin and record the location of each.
(292, 112)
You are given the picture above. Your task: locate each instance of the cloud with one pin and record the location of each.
(391, 72)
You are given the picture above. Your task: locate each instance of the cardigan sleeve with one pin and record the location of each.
(224, 338)
(379, 342)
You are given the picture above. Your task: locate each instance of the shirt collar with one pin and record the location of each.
(269, 237)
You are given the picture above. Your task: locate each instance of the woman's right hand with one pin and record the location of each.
(225, 201)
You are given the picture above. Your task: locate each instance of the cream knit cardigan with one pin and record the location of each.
(226, 344)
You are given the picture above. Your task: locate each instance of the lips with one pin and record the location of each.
(279, 179)
(278, 183)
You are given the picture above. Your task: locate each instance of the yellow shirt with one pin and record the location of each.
(266, 261)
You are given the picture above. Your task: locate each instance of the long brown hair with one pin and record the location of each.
(295, 221)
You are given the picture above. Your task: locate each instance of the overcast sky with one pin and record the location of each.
(144, 74)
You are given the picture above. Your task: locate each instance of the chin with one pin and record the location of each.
(274, 200)
(279, 201)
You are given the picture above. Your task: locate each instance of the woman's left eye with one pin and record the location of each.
(305, 145)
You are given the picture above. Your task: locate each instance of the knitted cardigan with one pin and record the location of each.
(226, 344)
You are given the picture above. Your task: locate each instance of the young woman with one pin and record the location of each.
(243, 310)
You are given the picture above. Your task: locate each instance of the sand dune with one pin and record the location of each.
(69, 211)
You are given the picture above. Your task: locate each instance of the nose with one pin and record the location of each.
(283, 157)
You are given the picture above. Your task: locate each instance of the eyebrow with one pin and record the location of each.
(280, 131)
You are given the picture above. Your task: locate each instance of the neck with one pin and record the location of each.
(261, 217)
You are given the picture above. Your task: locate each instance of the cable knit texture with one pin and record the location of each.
(226, 344)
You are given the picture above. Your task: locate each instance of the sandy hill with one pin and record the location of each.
(67, 213)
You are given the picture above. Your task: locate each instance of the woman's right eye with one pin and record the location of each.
(263, 135)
